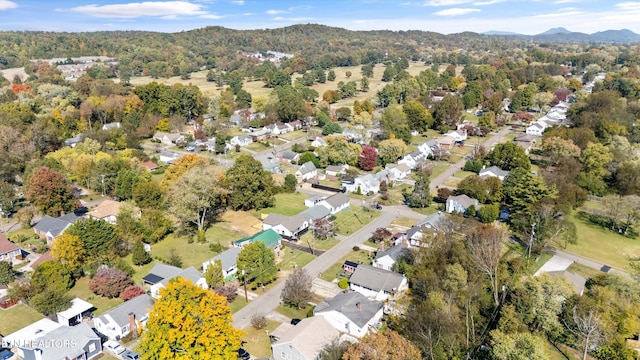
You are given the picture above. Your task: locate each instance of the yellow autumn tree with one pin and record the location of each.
(189, 322)
(181, 166)
(384, 345)
(69, 250)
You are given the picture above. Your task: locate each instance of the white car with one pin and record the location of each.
(114, 347)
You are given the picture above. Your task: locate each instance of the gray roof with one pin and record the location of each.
(396, 252)
(189, 273)
(316, 212)
(228, 258)
(463, 200)
(495, 170)
(139, 306)
(291, 223)
(416, 154)
(346, 302)
(335, 168)
(337, 199)
(414, 229)
(288, 154)
(55, 226)
(309, 336)
(307, 168)
(74, 140)
(74, 338)
(432, 221)
(376, 279)
(164, 270)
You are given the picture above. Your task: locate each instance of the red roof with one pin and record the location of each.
(7, 246)
(44, 257)
(150, 165)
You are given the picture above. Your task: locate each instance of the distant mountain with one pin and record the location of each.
(554, 31)
(503, 33)
(624, 35)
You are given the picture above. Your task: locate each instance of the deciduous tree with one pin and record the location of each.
(297, 288)
(485, 248)
(109, 282)
(508, 156)
(258, 263)
(181, 166)
(188, 322)
(517, 346)
(391, 150)
(49, 191)
(213, 275)
(130, 292)
(368, 158)
(69, 250)
(383, 345)
(249, 186)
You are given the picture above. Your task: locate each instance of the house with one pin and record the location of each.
(349, 267)
(119, 321)
(432, 222)
(168, 138)
(289, 227)
(241, 140)
(209, 145)
(457, 135)
(73, 315)
(387, 259)
(494, 171)
(49, 227)
(227, 259)
(284, 128)
(303, 341)
(411, 238)
(413, 158)
(235, 119)
(429, 147)
(75, 342)
(318, 142)
(336, 202)
(268, 237)
(351, 312)
(376, 283)
(446, 142)
(336, 170)
(363, 184)
(108, 210)
(537, 128)
(314, 200)
(30, 332)
(306, 171)
(272, 129)
(289, 156)
(354, 134)
(161, 273)
(315, 213)
(150, 165)
(8, 250)
(72, 142)
(460, 203)
(398, 171)
(525, 141)
(269, 163)
(260, 135)
(111, 126)
(168, 157)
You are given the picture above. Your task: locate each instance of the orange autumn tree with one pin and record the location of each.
(189, 322)
(384, 345)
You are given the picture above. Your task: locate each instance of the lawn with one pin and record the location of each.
(292, 259)
(293, 312)
(584, 271)
(224, 233)
(403, 221)
(17, 317)
(238, 303)
(437, 169)
(461, 174)
(395, 194)
(293, 135)
(101, 303)
(535, 266)
(351, 220)
(427, 210)
(257, 342)
(286, 204)
(602, 245)
(451, 182)
(193, 254)
(333, 272)
(257, 146)
(318, 244)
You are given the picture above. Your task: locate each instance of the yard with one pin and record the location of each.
(257, 342)
(461, 174)
(353, 219)
(437, 168)
(192, 254)
(318, 244)
(602, 245)
(286, 204)
(17, 317)
(294, 259)
(101, 303)
(394, 194)
(360, 257)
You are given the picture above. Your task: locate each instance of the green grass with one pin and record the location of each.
(451, 182)
(293, 259)
(354, 219)
(286, 204)
(101, 303)
(542, 259)
(437, 169)
(223, 233)
(461, 174)
(293, 312)
(360, 256)
(141, 271)
(257, 146)
(193, 254)
(318, 244)
(584, 271)
(294, 134)
(17, 317)
(403, 221)
(428, 210)
(602, 245)
(395, 194)
(238, 303)
(257, 342)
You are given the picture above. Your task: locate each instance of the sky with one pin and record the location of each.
(443, 16)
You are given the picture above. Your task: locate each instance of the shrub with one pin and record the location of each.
(356, 248)
(215, 247)
(258, 321)
(109, 282)
(230, 291)
(131, 292)
(343, 283)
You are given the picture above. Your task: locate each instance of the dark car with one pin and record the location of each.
(295, 321)
(130, 355)
(5, 354)
(243, 354)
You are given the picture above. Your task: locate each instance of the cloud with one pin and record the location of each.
(629, 5)
(248, 14)
(567, 1)
(211, 16)
(276, 12)
(6, 4)
(446, 2)
(488, 2)
(569, 11)
(238, 2)
(456, 11)
(140, 9)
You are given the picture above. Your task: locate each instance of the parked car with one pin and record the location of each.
(295, 321)
(243, 354)
(130, 355)
(114, 347)
(5, 354)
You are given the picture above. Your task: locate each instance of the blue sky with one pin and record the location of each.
(444, 16)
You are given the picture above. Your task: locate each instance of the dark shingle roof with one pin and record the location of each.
(395, 252)
(346, 302)
(376, 279)
(139, 306)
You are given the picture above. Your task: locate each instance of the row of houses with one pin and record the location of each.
(555, 116)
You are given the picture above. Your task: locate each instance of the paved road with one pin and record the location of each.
(590, 263)
(453, 168)
(271, 299)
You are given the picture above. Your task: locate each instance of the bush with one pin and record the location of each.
(489, 213)
(343, 283)
(356, 248)
(109, 282)
(258, 321)
(131, 292)
(216, 247)
(230, 291)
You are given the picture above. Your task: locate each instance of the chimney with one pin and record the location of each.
(358, 306)
(133, 326)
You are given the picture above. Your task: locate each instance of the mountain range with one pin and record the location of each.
(561, 34)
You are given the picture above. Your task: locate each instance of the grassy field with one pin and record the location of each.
(406, 222)
(257, 342)
(437, 169)
(602, 245)
(286, 204)
(193, 254)
(17, 317)
(354, 219)
(584, 271)
(318, 244)
(292, 259)
(238, 303)
(395, 194)
(102, 304)
(360, 256)
(461, 174)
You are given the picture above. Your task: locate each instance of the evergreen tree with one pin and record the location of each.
(140, 256)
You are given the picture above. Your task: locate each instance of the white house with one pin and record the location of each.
(161, 273)
(387, 259)
(30, 332)
(303, 341)
(494, 171)
(398, 171)
(289, 156)
(168, 138)
(284, 128)
(241, 140)
(366, 183)
(413, 158)
(73, 315)
(351, 312)
(335, 203)
(306, 171)
(314, 200)
(429, 147)
(66, 342)
(8, 250)
(318, 142)
(286, 226)
(376, 283)
(228, 260)
(457, 135)
(168, 157)
(336, 170)
(537, 128)
(460, 203)
(122, 319)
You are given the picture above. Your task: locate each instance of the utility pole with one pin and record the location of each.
(244, 280)
(533, 232)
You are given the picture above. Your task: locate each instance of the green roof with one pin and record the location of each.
(268, 237)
